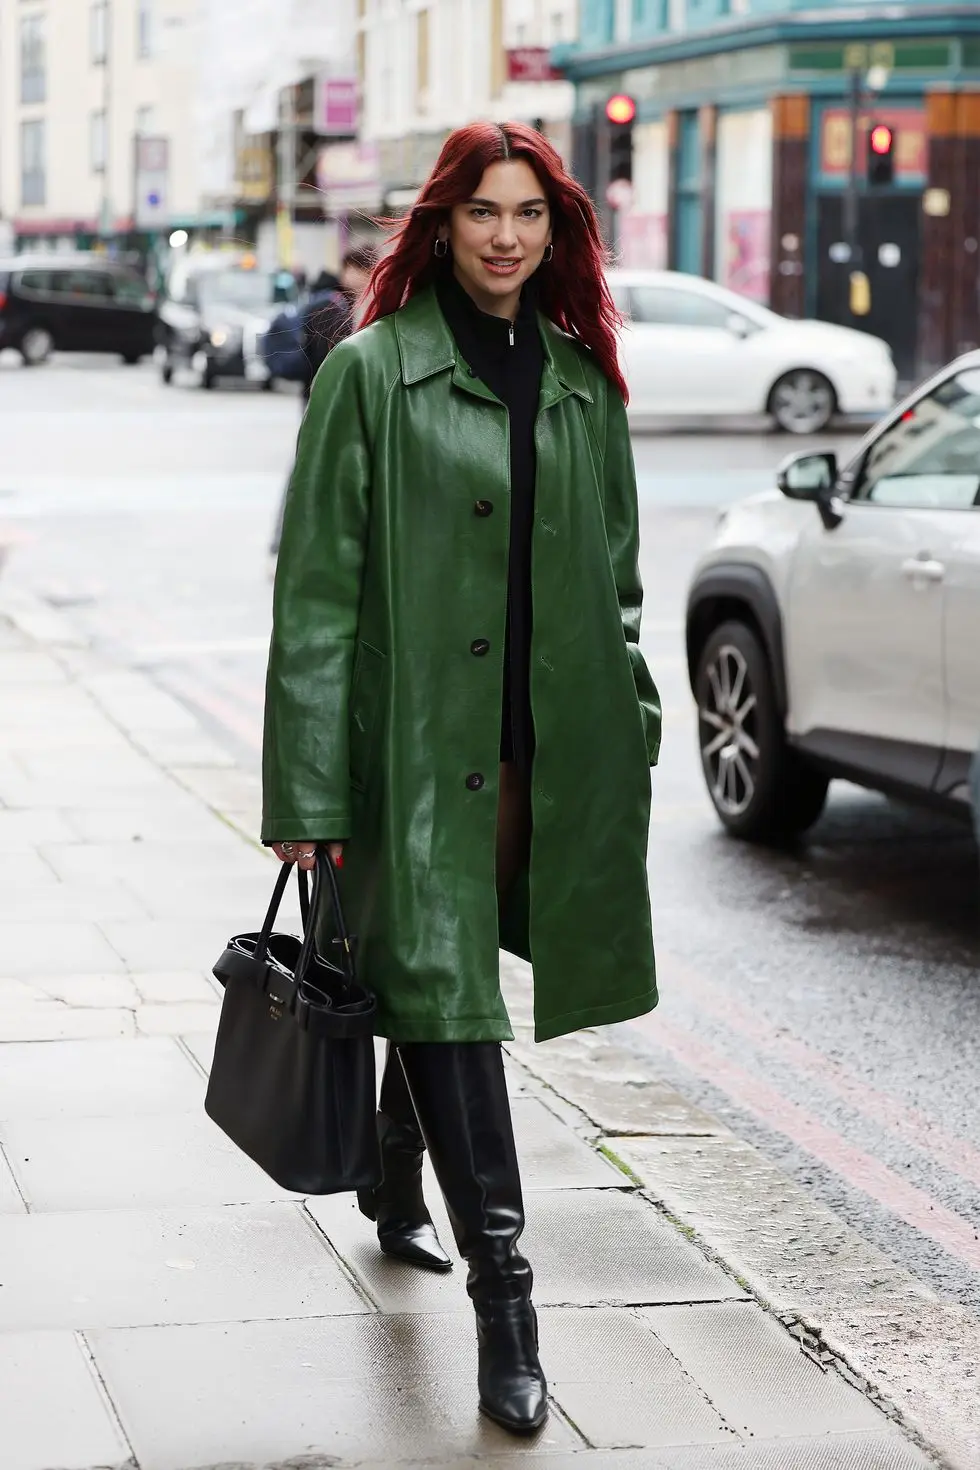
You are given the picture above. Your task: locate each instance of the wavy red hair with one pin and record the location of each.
(572, 288)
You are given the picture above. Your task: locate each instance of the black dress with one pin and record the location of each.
(509, 359)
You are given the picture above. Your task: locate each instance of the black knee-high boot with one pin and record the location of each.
(405, 1227)
(461, 1101)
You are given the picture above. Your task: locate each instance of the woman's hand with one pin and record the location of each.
(304, 853)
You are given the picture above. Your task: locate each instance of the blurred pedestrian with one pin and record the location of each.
(329, 317)
(455, 666)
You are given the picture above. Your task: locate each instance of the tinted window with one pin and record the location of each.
(42, 283)
(95, 285)
(664, 306)
(130, 290)
(249, 290)
(931, 457)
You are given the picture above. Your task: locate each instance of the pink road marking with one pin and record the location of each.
(914, 1127)
(202, 692)
(860, 1169)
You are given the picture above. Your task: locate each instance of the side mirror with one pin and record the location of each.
(810, 476)
(739, 327)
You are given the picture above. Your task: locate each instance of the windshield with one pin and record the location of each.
(248, 290)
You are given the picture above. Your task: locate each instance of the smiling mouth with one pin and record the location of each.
(501, 265)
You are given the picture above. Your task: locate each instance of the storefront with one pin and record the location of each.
(741, 164)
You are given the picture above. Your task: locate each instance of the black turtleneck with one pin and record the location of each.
(509, 359)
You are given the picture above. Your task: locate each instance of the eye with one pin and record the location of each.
(479, 211)
(533, 213)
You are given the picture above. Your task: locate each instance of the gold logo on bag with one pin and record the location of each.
(275, 1013)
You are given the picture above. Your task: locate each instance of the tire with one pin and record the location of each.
(761, 790)
(208, 378)
(132, 358)
(166, 372)
(36, 346)
(802, 402)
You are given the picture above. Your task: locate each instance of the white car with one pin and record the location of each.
(692, 348)
(833, 627)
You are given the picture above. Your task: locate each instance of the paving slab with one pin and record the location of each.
(835, 1452)
(551, 1155)
(177, 943)
(587, 1247)
(97, 1079)
(322, 1392)
(30, 948)
(37, 1369)
(134, 1267)
(46, 1020)
(755, 1374)
(125, 1163)
(24, 831)
(42, 902)
(11, 1199)
(142, 863)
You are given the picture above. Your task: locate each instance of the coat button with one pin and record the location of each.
(483, 508)
(480, 646)
(474, 782)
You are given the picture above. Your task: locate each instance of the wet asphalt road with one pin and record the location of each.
(824, 1002)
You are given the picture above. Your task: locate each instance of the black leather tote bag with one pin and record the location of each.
(293, 1078)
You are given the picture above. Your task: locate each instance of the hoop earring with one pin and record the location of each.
(549, 251)
(440, 253)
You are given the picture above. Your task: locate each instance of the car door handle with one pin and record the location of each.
(924, 569)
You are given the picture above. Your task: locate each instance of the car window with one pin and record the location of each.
(931, 457)
(130, 290)
(41, 282)
(94, 285)
(666, 306)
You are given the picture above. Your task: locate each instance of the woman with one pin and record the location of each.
(454, 666)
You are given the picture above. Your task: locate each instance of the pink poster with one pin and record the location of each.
(746, 267)
(643, 241)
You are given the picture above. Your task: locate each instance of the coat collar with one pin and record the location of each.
(426, 346)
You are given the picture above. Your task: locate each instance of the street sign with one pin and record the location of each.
(619, 194)
(152, 188)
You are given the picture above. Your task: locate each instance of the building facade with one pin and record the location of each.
(97, 134)
(428, 66)
(742, 165)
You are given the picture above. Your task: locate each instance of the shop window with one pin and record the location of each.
(649, 17)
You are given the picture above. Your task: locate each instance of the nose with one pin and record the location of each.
(505, 235)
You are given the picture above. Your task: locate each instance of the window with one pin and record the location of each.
(99, 32)
(97, 142)
(557, 27)
(144, 122)
(130, 290)
(931, 457)
(32, 59)
(32, 172)
(94, 285)
(144, 29)
(40, 283)
(665, 307)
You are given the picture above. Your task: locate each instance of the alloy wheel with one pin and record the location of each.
(36, 345)
(728, 731)
(802, 402)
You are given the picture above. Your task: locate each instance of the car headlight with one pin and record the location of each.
(225, 336)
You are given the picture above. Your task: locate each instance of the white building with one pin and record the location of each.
(428, 66)
(80, 81)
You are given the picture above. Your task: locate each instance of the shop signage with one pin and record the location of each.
(152, 182)
(531, 64)
(911, 141)
(348, 176)
(335, 109)
(255, 177)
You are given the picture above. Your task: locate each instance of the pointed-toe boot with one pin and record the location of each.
(397, 1205)
(460, 1096)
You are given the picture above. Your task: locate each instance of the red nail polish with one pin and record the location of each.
(338, 861)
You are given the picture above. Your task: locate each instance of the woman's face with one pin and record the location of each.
(498, 237)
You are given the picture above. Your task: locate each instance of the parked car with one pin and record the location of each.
(214, 314)
(833, 625)
(74, 303)
(692, 348)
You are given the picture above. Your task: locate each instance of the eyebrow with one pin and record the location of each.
(493, 203)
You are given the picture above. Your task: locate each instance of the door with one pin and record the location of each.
(680, 354)
(888, 233)
(133, 314)
(867, 602)
(88, 311)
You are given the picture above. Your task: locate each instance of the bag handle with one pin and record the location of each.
(309, 911)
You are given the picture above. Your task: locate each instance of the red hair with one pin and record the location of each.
(572, 288)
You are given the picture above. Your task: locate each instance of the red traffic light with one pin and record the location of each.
(620, 109)
(881, 139)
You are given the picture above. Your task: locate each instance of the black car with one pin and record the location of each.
(76, 303)
(215, 313)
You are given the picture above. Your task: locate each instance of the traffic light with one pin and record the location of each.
(620, 113)
(881, 154)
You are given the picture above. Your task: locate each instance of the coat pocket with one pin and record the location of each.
(367, 685)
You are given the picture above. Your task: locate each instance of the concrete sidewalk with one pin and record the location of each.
(164, 1306)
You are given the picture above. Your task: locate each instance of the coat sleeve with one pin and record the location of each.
(305, 762)
(623, 534)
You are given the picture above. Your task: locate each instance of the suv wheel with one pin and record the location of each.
(802, 402)
(36, 346)
(761, 789)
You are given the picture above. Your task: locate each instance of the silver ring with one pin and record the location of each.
(289, 847)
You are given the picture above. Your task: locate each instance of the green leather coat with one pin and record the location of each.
(383, 728)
